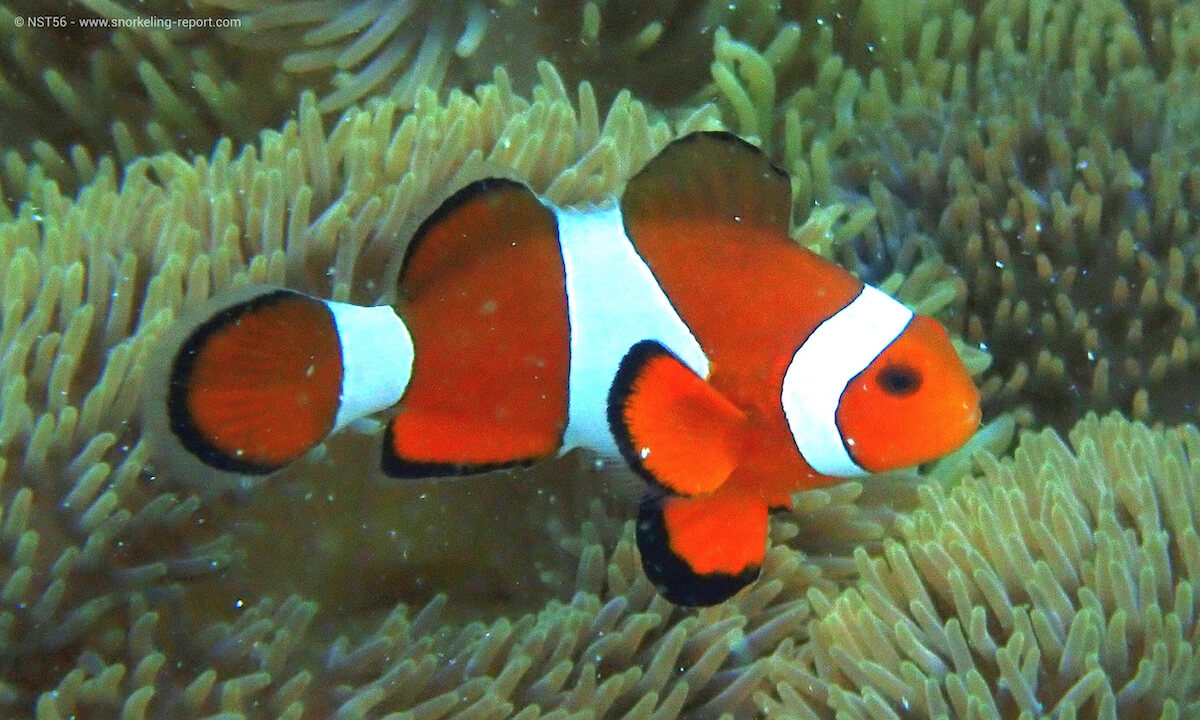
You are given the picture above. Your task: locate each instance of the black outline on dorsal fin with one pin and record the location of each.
(671, 575)
(686, 169)
(451, 204)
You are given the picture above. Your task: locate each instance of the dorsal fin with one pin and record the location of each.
(487, 214)
(714, 178)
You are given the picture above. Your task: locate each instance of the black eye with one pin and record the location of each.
(899, 380)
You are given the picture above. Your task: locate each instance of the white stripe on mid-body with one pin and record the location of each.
(840, 348)
(377, 359)
(613, 303)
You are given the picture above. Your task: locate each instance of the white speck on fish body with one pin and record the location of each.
(644, 453)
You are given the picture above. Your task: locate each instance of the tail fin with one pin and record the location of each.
(265, 374)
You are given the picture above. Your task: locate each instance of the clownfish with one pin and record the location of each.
(679, 328)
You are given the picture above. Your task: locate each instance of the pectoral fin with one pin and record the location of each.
(671, 426)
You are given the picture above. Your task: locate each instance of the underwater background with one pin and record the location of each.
(1023, 170)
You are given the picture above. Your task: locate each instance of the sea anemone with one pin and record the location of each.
(1059, 582)
(72, 94)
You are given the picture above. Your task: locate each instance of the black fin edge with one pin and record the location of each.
(180, 373)
(618, 393)
(456, 200)
(672, 576)
(404, 469)
(737, 142)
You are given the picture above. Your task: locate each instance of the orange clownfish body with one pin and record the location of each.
(680, 328)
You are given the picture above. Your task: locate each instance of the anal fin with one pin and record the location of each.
(670, 425)
(431, 443)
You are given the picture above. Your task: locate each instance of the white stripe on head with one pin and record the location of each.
(377, 359)
(840, 348)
